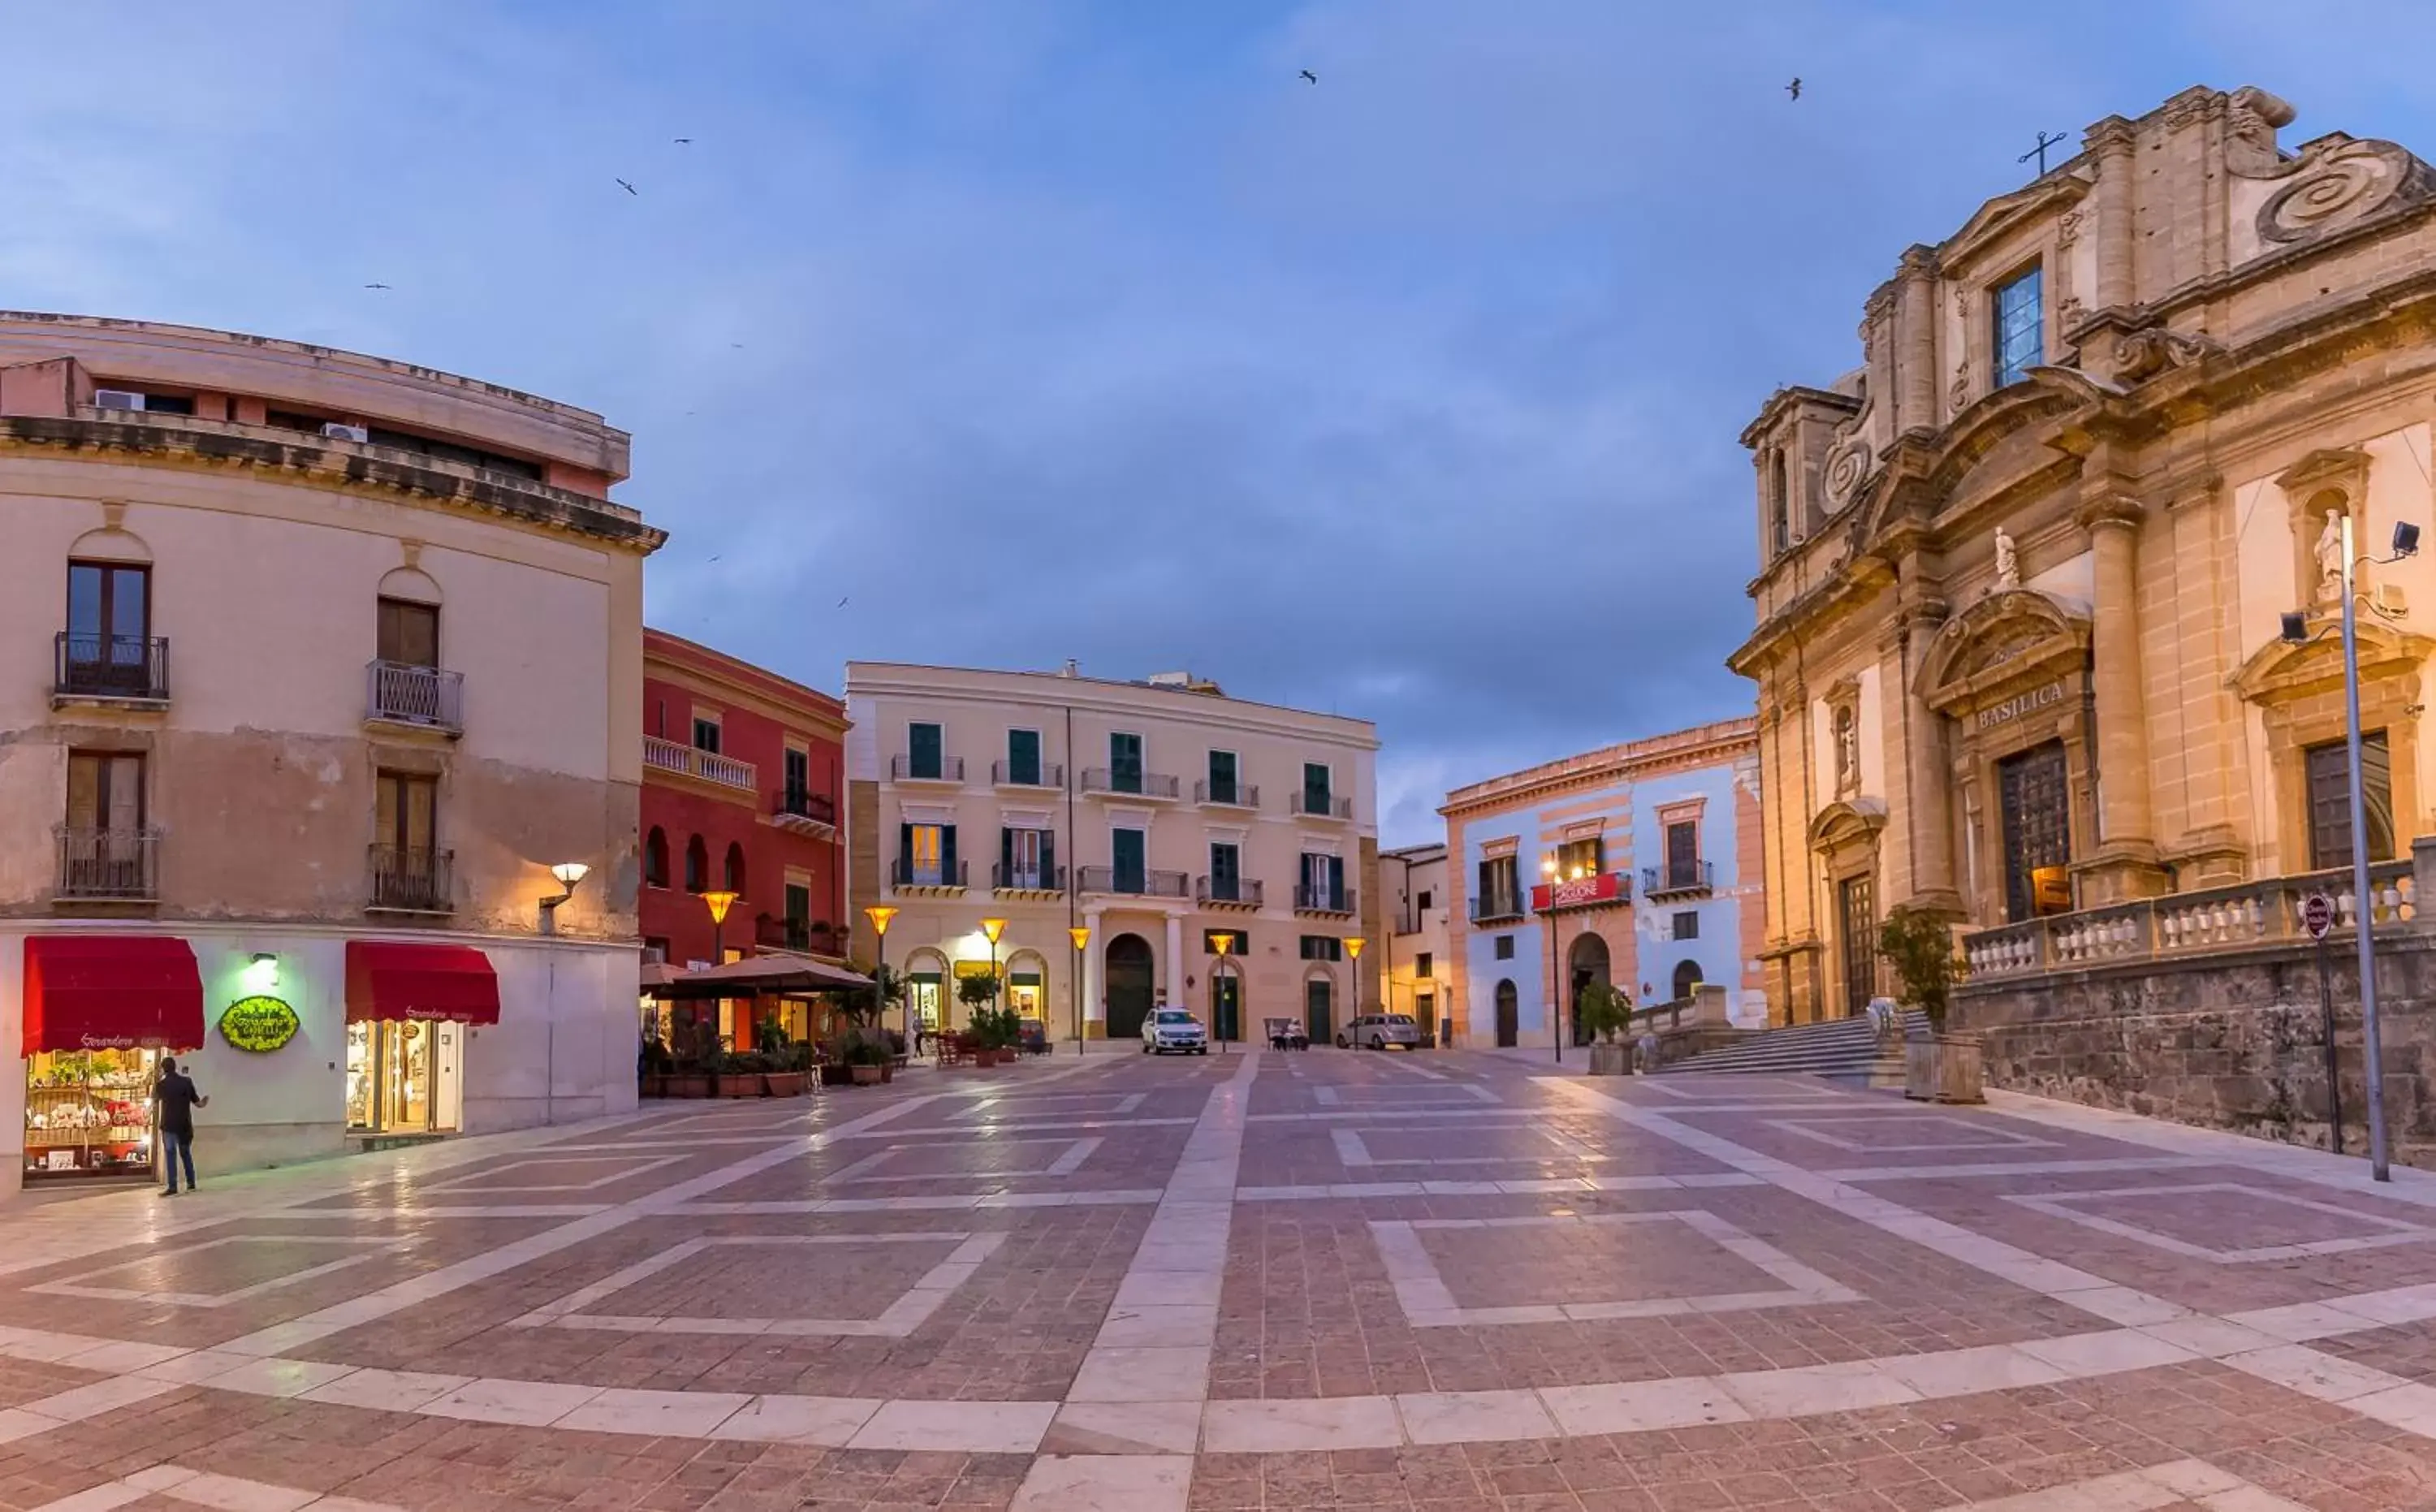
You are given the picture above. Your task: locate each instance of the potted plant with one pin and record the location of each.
(978, 992)
(653, 1065)
(868, 1060)
(1940, 1065)
(1604, 1010)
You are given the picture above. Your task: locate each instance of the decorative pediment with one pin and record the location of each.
(2280, 671)
(2019, 644)
(2007, 213)
(1854, 822)
(1919, 474)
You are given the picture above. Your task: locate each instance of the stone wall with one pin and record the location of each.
(2232, 1041)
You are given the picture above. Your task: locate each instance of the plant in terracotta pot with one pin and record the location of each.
(979, 992)
(1605, 1011)
(1944, 1065)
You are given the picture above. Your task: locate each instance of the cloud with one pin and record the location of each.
(1064, 330)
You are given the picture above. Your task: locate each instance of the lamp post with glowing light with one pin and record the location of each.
(1081, 935)
(718, 902)
(1555, 991)
(567, 874)
(1353, 945)
(1223, 944)
(993, 929)
(879, 913)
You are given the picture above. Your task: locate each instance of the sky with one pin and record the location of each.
(1038, 329)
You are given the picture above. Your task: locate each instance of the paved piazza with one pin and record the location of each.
(1445, 1281)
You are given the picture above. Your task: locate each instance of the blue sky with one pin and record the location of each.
(1092, 330)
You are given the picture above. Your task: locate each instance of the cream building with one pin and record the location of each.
(1415, 972)
(1158, 815)
(316, 666)
(2022, 571)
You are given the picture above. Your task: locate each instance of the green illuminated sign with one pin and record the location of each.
(258, 1025)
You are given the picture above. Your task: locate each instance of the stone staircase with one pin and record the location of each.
(1839, 1049)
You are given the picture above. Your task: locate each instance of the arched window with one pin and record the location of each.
(1780, 505)
(655, 857)
(1687, 977)
(696, 865)
(735, 869)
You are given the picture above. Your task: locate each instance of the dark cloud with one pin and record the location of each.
(1076, 330)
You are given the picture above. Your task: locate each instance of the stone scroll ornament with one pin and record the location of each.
(2333, 182)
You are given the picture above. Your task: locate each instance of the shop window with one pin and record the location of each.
(88, 1113)
(403, 1077)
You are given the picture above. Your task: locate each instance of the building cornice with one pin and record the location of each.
(1700, 745)
(675, 659)
(1051, 691)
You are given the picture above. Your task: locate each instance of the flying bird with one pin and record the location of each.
(375, 286)
(842, 601)
(628, 188)
(1309, 75)
(1794, 89)
(683, 141)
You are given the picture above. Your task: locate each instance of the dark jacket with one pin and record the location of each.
(175, 1096)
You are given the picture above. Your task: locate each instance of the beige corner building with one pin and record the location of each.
(2022, 570)
(1220, 854)
(320, 674)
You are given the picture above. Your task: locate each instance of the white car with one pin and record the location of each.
(1168, 1029)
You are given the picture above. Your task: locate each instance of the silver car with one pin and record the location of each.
(1172, 1029)
(1379, 1030)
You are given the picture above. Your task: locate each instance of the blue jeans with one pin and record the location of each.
(176, 1150)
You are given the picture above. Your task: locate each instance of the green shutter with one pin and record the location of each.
(948, 854)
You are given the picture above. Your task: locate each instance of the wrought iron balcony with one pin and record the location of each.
(1497, 908)
(1134, 885)
(1006, 774)
(1048, 879)
(904, 875)
(403, 694)
(115, 668)
(945, 769)
(702, 766)
(1678, 879)
(1319, 806)
(1228, 892)
(806, 812)
(121, 865)
(804, 936)
(1227, 794)
(412, 879)
(1131, 784)
(1323, 900)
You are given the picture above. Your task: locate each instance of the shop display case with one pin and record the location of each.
(88, 1113)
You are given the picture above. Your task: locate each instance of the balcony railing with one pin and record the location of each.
(1227, 794)
(1134, 885)
(706, 766)
(804, 936)
(2264, 912)
(1496, 907)
(1678, 879)
(90, 665)
(1131, 784)
(411, 879)
(903, 872)
(1028, 879)
(945, 769)
(799, 808)
(1030, 774)
(1323, 900)
(401, 693)
(1319, 806)
(121, 865)
(1228, 892)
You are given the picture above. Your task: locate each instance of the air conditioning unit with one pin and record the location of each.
(336, 431)
(118, 399)
(654, 956)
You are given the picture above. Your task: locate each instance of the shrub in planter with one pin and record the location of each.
(1941, 1065)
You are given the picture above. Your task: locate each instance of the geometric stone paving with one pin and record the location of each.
(1447, 1280)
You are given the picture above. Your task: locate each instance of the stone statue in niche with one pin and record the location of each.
(2330, 552)
(2009, 562)
(1847, 749)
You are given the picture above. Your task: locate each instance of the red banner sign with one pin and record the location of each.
(1578, 892)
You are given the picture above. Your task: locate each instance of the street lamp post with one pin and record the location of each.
(718, 902)
(1081, 935)
(879, 913)
(1353, 945)
(992, 929)
(2406, 542)
(1224, 942)
(1555, 990)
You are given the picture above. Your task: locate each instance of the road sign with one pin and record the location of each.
(2318, 914)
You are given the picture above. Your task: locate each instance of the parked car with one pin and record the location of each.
(1379, 1030)
(1286, 1033)
(1032, 1037)
(1168, 1029)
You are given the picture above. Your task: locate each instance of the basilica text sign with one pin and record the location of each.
(2020, 704)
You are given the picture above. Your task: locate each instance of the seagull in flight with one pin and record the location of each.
(1794, 89)
(628, 188)
(842, 601)
(375, 286)
(682, 140)
(1309, 75)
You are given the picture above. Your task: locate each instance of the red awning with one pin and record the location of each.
(112, 992)
(392, 979)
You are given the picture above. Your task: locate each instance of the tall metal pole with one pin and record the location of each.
(2363, 903)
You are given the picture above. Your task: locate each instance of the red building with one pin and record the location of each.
(742, 792)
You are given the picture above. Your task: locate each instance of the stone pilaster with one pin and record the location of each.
(2111, 141)
(1930, 804)
(2125, 863)
(1916, 340)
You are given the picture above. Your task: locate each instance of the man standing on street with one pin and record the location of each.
(175, 1097)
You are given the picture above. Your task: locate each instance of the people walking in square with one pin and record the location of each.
(175, 1099)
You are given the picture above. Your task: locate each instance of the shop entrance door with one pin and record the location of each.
(404, 1077)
